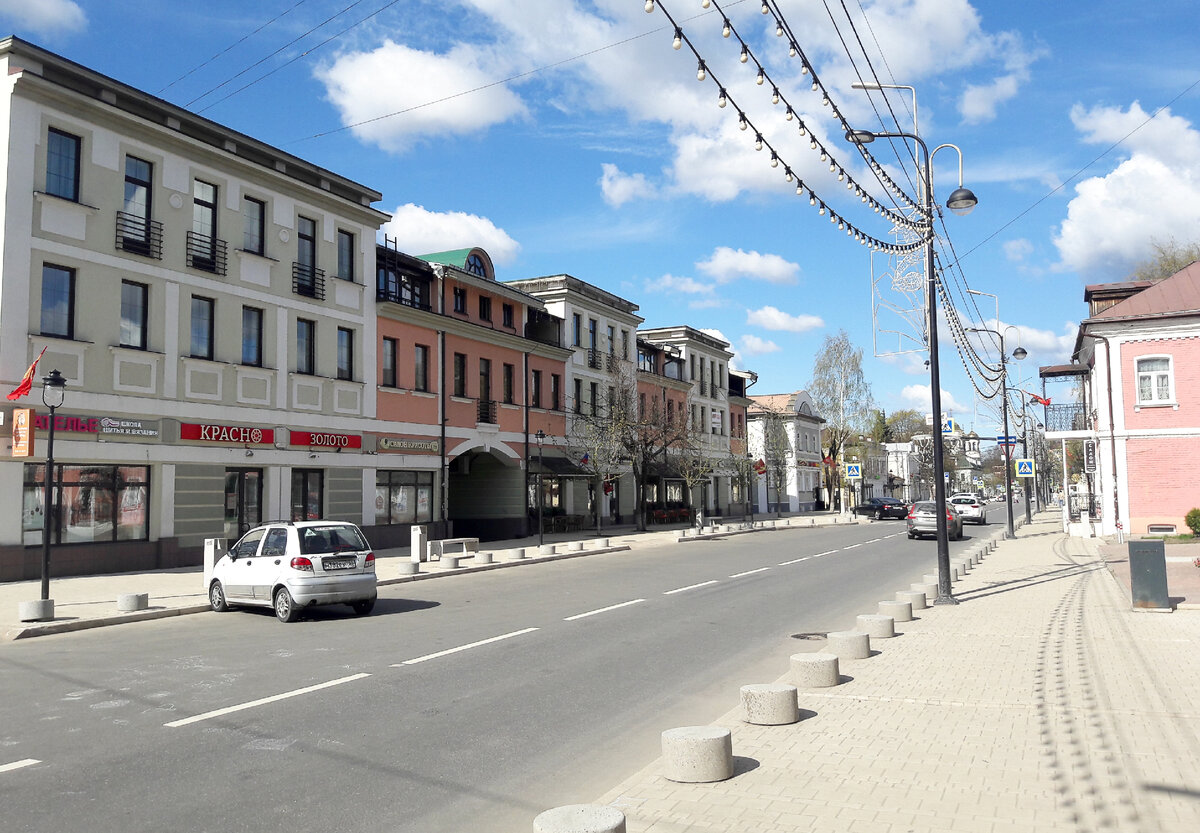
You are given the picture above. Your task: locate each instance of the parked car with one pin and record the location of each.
(922, 520)
(291, 565)
(882, 507)
(970, 507)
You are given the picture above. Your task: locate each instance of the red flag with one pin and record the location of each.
(27, 380)
(1039, 400)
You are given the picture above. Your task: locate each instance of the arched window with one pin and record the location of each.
(476, 266)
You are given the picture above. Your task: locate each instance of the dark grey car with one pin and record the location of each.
(922, 520)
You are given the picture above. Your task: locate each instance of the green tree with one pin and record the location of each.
(905, 424)
(842, 395)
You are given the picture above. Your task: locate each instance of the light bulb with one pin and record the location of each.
(800, 189)
(758, 141)
(802, 130)
(832, 166)
(760, 78)
(792, 50)
(774, 95)
(804, 69)
(678, 42)
(812, 145)
(849, 186)
(788, 116)
(787, 175)
(649, 6)
(821, 210)
(779, 30)
(812, 200)
(815, 86)
(725, 32)
(824, 156)
(825, 101)
(742, 124)
(841, 225)
(745, 55)
(704, 4)
(774, 161)
(721, 99)
(841, 176)
(765, 8)
(700, 74)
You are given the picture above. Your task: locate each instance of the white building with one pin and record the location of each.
(784, 432)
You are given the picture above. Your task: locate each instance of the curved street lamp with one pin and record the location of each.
(961, 202)
(1018, 354)
(540, 436)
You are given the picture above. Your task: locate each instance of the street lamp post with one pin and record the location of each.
(53, 391)
(1018, 354)
(540, 436)
(961, 202)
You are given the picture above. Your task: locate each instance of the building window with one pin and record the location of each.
(506, 312)
(345, 246)
(252, 336)
(58, 301)
(135, 224)
(509, 370)
(306, 247)
(670, 411)
(485, 380)
(203, 316)
(306, 346)
(421, 362)
(62, 165)
(403, 497)
(535, 399)
(254, 213)
(595, 391)
(625, 344)
(460, 374)
(485, 308)
(1155, 381)
(592, 333)
(579, 396)
(308, 494)
(133, 314)
(102, 503)
(202, 243)
(475, 266)
(345, 353)
(612, 341)
(555, 392)
(388, 362)
(460, 300)
(577, 329)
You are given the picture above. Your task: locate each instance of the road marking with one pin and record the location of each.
(750, 572)
(602, 610)
(689, 587)
(18, 764)
(262, 702)
(851, 546)
(873, 541)
(793, 561)
(449, 651)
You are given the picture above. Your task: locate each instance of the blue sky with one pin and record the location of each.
(568, 136)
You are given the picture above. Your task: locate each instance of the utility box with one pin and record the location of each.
(1148, 575)
(418, 537)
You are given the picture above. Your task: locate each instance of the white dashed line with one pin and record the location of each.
(449, 651)
(602, 610)
(793, 561)
(689, 587)
(851, 546)
(750, 572)
(18, 764)
(230, 709)
(827, 552)
(873, 541)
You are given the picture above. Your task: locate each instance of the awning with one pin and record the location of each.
(558, 466)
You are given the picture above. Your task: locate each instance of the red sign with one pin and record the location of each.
(233, 434)
(88, 425)
(760, 467)
(22, 432)
(324, 439)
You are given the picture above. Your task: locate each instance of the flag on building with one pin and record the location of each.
(584, 460)
(27, 380)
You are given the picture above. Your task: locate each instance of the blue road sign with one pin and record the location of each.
(853, 470)
(1025, 467)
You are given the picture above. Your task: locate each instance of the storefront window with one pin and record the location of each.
(308, 494)
(243, 501)
(403, 497)
(674, 491)
(95, 503)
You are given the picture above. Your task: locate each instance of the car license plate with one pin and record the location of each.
(339, 563)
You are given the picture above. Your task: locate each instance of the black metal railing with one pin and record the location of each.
(704, 387)
(612, 363)
(404, 296)
(139, 235)
(308, 281)
(207, 253)
(594, 358)
(1069, 417)
(487, 411)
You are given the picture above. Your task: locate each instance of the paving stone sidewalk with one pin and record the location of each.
(1042, 702)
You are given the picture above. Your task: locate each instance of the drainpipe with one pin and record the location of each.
(1112, 433)
(441, 275)
(525, 408)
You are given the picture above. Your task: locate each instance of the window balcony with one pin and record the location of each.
(139, 235)
(1068, 417)
(308, 281)
(487, 411)
(595, 359)
(206, 253)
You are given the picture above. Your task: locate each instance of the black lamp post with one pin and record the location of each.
(540, 436)
(961, 202)
(1018, 354)
(53, 391)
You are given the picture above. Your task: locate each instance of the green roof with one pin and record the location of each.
(456, 257)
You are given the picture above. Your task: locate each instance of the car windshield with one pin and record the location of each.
(923, 506)
(323, 539)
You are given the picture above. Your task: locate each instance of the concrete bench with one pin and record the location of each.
(436, 549)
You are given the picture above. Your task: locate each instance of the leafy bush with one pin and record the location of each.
(1192, 519)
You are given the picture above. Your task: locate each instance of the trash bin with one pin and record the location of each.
(1148, 575)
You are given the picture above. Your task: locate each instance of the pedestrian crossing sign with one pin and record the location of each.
(1024, 467)
(854, 470)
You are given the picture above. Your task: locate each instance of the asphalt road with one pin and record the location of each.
(467, 703)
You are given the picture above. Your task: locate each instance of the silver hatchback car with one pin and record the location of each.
(291, 565)
(922, 520)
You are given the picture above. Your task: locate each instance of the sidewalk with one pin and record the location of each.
(1041, 702)
(82, 602)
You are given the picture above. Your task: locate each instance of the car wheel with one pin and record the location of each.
(364, 607)
(879, 514)
(285, 606)
(216, 597)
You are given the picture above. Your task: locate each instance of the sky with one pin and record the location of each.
(571, 137)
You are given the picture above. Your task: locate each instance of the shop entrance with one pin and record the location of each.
(243, 501)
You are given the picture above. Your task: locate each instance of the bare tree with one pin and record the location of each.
(843, 397)
(600, 441)
(1169, 257)
(742, 467)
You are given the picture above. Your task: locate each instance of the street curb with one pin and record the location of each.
(29, 631)
(499, 565)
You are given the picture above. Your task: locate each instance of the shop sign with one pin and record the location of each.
(86, 425)
(22, 432)
(401, 444)
(316, 439)
(129, 427)
(239, 434)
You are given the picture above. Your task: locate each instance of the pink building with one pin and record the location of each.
(1137, 357)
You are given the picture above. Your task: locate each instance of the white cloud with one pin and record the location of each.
(726, 265)
(1113, 220)
(367, 85)
(752, 345)
(677, 283)
(918, 398)
(46, 17)
(420, 231)
(771, 318)
(707, 303)
(1018, 250)
(619, 188)
(979, 101)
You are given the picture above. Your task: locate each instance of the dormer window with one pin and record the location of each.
(476, 266)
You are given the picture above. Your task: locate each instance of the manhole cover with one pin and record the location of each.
(811, 636)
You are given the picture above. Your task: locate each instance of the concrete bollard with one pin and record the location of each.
(930, 578)
(848, 644)
(916, 598)
(601, 543)
(899, 611)
(483, 558)
(697, 754)
(449, 562)
(408, 568)
(546, 549)
(876, 626)
(128, 602)
(771, 704)
(819, 670)
(39, 610)
(580, 818)
(929, 588)
(519, 554)
(575, 546)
